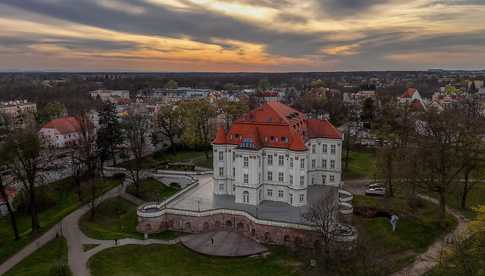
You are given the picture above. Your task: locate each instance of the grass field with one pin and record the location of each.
(153, 190)
(362, 164)
(179, 261)
(56, 200)
(46, 261)
(416, 229)
(116, 219)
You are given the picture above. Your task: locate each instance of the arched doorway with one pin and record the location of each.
(187, 227)
(206, 226)
(240, 226)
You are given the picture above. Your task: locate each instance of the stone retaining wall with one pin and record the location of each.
(261, 233)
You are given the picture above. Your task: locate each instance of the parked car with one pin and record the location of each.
(376, 185)
(375, 190)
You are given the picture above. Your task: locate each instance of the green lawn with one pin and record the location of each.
(197, 158)
(48, 260)
(56, 200)
(416, 229)
(153, 190)
(362, 164)
(116, 219)
(178, 261)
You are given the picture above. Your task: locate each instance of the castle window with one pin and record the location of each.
(221, 171)
(281, 160)
(233, 172)
(221, 187)
(302, 180)
(246, 178)
(314, 148)
(280, 193)
(302, 163)
(221, 156)
(291, 179)
(332, 178)
(332, 149)
(270, 160)
(332, 164)
(324, 148)
(281, 177)
(270, 176)
(233, 156)
(246, 161)
(270, 192)
(313, 163)
(324, 163)
(291, 162)
(302, 197)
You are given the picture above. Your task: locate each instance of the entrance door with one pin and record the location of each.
(245, 197)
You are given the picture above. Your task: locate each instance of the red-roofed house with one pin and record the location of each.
(274, 153)
(62, 132)
(412, 97)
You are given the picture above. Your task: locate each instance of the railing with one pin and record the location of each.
(345, 196)
(149, 210)
(345, 208)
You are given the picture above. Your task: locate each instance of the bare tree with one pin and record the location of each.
(86, 162)
(323, 215)
(473, 155)
(440, 143)
(4, 195)
(171, 123)
(23, 150)
(136, 127)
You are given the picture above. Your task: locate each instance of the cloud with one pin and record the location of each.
(287, 34)
(345, 8)
(199, 25)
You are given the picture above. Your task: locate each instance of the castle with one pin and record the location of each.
(275, 153)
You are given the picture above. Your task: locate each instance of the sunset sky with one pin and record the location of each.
(241, 35)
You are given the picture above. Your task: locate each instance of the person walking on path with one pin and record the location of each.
(393, 220)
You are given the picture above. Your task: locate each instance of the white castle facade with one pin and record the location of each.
(274, 153)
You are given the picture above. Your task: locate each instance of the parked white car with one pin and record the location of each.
(376, 189)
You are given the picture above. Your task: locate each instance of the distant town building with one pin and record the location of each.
(18, 113)
(274, 153)
(412, 97)
(62, 132)
(113, 96)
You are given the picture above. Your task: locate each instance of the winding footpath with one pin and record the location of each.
(429, 259)
(76, 239)
(424, 262)
(78, 258)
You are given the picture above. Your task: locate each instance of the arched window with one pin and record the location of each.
(246, 197)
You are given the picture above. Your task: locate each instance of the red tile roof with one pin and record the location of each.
(409, 93)
(220, 136)
(276, 125)
(65, 125)
(417, 105)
